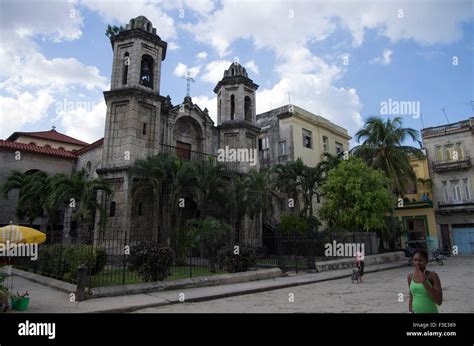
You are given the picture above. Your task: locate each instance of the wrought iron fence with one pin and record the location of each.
(110, 258)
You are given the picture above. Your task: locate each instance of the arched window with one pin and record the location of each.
(126, 62)
(232, 107)
(248, 109)
(140, 209)
(146, 71)
(148, 27)
(88, 167)
(112, 209)
(232, 71)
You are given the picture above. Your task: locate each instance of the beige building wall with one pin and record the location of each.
(320, 128)
(53, 144)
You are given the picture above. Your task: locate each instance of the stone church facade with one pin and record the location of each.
(141, 122)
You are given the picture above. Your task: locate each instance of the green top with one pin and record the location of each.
(422, 302)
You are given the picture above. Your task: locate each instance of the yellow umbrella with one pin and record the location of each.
(21, 234)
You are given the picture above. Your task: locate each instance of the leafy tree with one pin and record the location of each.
(356, 197)
(113, 30)
(211, 233)
(293, 224)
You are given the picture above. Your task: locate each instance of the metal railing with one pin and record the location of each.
(449, 128)
(192, 155)
(445, 165)
(462, 205)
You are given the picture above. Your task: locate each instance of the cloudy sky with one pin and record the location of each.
(339, 59)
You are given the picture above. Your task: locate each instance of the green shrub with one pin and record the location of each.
(94, 259)
(51, 260)
(233, 263)
(151, 260)
(63, 261)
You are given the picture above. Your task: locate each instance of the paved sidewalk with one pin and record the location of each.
(49, 300)
(381, 292)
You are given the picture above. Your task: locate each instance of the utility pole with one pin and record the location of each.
(445, 115)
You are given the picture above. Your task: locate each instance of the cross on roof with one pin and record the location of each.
(189, 79)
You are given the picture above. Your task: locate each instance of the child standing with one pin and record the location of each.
(360, 265)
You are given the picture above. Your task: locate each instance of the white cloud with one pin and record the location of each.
(23, 108)
(250, 65)
(56, 21)
(31, 82)
(173, 46)
(183, 70)
(37, 71)
(282, 27)
(91, 125)
(122, 11)
(200, 7)
(201, 55)
(385, 59)
(316, 94)
(214, 71)
(209, 103)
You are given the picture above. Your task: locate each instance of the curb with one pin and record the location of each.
(197, 282)
(44, 280)
(248, 291)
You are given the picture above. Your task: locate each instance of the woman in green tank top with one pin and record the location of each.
(425, 286)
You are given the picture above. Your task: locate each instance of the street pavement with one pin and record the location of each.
(379, 293)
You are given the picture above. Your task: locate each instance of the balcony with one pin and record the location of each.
(460, 126)
(455, 207)
(451, 165)
(415, 204)
(186, 154)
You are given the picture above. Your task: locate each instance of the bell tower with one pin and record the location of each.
(236, 112)
(134, 102)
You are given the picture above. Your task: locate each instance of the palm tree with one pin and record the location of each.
(153, 176)
(286, 182)
(260, 195)
(210, 180)
(382, 149)
(310, 179)
(236, 204)
(33, 189)
(83, 192)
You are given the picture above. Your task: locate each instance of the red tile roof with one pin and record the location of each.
(89, 147)
(52, 135)
(9, 145)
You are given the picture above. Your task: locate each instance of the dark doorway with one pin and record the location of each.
(183, 150)
(446, 239)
